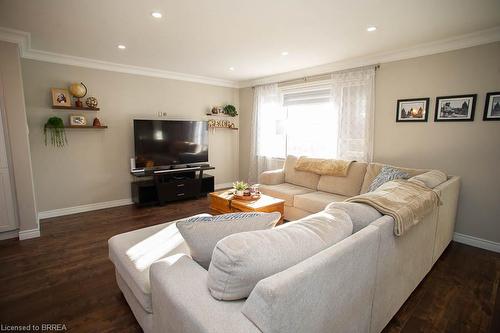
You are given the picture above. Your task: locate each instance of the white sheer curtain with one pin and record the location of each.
(329, 119)
(353, 96)
(267, 133)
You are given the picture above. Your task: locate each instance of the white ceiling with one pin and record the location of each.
(206, 37)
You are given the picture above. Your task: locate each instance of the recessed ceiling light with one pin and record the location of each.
(284, 53)
(157, 15)
(231, 68)
(121, 47)
(371, 28)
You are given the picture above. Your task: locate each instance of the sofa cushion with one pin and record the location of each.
(284, 191)
(387, 174)
(349, 185)
(361, 215)
(241, 260)
(133, 252)
(203, 232)
(373, 169)
(430, 179)
(301, 178)
(316, 201)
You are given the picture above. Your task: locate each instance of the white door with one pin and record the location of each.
(7, 216)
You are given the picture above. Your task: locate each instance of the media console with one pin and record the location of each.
(158, 187)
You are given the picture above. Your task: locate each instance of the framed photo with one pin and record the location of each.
(492, 106)
(412, 109)
(60, 97)
(455, 108)
(77, 121)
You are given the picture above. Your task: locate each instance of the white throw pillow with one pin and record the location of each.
(202, 233)
(430, 179)
(241, 260)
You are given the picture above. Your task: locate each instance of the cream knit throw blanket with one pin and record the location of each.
(320, 166)
(405, 201)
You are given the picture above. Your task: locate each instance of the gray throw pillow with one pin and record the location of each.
(202, 233)
(386, 174)
(241, 260)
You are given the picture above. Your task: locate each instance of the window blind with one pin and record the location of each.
(319, 95)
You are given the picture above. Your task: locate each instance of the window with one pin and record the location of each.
(332, 118)
(303, 123)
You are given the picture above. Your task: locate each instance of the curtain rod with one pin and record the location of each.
(312, 77)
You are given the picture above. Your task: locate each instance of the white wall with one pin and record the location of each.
(467, 149)
(94, 166)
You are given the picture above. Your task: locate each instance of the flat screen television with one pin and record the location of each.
(165, 143)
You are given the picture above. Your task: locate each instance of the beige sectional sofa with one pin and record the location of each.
(355, 285)
(306, 193)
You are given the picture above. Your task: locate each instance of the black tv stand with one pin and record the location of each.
(158, 187)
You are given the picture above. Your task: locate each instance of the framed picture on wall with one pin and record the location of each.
(77, 121)
(455, 108)
(60, 97)
(412, 109)
(492, 106)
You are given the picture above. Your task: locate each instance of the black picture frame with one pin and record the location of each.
(487, 106)
(401, 102)
(437, 118)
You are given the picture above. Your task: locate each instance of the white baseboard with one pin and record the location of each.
(83, 208)
(100, 205)
(223, 186)
(27, 234)
(9, 234)
(476, 242)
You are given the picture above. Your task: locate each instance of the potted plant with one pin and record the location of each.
(230, 110)
(240, 188)
(55, 126)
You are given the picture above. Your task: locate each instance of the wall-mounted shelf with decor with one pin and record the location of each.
(87, 127)
(74, 108)
(220, 115)
(84, 127)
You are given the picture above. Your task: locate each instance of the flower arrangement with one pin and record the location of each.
(240, 187)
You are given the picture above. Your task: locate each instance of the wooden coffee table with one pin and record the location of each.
(222, 202)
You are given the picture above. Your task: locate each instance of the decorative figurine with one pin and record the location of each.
(91, 102)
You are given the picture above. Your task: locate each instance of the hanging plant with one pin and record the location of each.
(230, 110)
(55, 126)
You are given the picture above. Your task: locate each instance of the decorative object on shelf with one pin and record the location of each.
(215, 110)
(96, 122)
(455, 108)
(91, 102)
(77, 121)
(60, 97)
(78, 90)
(412, 109)
(230, 110)
(212, 123)
(492, 106)
(239, 188)
(55, 126)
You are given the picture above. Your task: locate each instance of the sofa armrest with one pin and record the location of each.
(272, 177)
(335, 286)
(182, 302)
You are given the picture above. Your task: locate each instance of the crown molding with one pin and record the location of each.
(444, 45)
(23, 39)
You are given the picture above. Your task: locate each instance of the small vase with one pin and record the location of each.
(239, 193)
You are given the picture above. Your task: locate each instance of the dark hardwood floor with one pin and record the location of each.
(65, 277)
